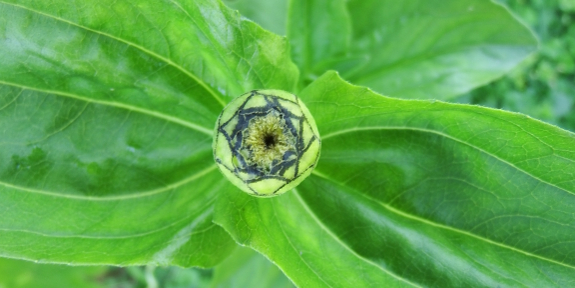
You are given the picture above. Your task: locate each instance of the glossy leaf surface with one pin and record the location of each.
(106, 113)
(419, 193)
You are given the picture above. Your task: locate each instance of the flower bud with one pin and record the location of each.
(266, 142)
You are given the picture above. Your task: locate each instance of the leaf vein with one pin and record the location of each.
(326, 229)
(168, 187)
(141, 48)
(294, 248)
(448, 137)
(119, 105)
(446, 227)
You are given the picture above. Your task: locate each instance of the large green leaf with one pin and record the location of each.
(419, 193)
(106, 113)
(409, 49)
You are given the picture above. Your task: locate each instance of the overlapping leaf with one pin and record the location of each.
(106, 113)
(419, 193)
(107, 107)
(433, 49)
(409, 49)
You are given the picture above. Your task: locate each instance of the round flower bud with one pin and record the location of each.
(266, 142)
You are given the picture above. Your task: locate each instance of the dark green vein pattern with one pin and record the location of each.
(106, 115)
(432, 194)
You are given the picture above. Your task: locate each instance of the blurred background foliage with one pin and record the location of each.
(543, 86)
(244, 268)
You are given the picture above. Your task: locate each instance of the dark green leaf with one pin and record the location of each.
(284, 229)
(106, 115)
(429, 49)
(419, 193)
(409, 49)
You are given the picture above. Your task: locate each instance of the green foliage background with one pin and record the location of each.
(542, 87)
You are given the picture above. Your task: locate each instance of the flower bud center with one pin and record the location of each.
(267, 140)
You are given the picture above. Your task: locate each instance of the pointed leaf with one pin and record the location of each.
(419, 193)
(106, 117)
(434, 50)
(408, 49)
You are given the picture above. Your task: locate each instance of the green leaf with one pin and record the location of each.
(270, 14)
(320, 34)
(106, 117)
(24, 274)
(246, 268)
(243, 268)
(291, 236)
(419, 193)
(408, 49)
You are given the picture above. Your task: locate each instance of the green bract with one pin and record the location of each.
(266, 142)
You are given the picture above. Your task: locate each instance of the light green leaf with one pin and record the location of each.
(24, 274)
(106, 116)
(419, 193)
(409, 49)
(292, 237)
(246, 268)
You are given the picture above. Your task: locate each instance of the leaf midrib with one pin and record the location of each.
(329, 232)
(429, 222)
(147, 193)
(446, 227)
(448, 137)
(168, 118)
(89, 263)
(206, 208)
(141, 48)
(294, 248)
